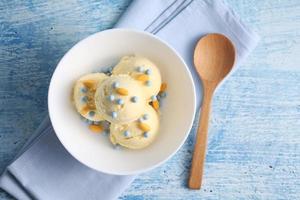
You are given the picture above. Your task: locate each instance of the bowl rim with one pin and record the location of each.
(193, 100)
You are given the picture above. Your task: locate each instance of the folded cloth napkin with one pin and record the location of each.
(45, 170)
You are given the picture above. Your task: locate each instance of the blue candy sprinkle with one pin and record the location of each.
(163, 94)
(105, 123)
(134, 99)
(161, 103)
(145, 116)
(114, 114)
(153, 98)
(111, 97)
(106, 132)
(148, 72)
(146, 134)
(83, 90)
(82, 118)
(115, 85)
(97, 123)
(148, 83)
(120, 101)
(110, 69)
(117, 147)
(106, 71)
(92, 113)
(84, 99)
(126, 133)
(89, 122)
(85, 120)
(139, 69)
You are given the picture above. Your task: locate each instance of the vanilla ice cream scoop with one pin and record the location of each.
(137, 134)
(120, 99)
(83, 95)
(142, 70)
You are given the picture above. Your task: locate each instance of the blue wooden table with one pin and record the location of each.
(254, 138)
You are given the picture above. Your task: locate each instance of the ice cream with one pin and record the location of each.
(137, 134)
(142, 70)
(126, 99)
(120, 99)
(83, 95)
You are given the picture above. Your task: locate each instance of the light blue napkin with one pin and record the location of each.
(45, 170)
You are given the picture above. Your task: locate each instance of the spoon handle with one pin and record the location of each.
(196, 172)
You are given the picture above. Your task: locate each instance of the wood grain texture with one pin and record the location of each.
(214, 57)
(200, 142)
(254, 136)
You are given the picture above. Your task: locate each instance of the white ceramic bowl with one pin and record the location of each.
(104, 49)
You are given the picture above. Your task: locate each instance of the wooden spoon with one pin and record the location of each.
(214, 57)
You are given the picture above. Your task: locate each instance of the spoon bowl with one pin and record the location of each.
(214, 57)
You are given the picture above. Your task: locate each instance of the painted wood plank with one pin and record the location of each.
(254, 137)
